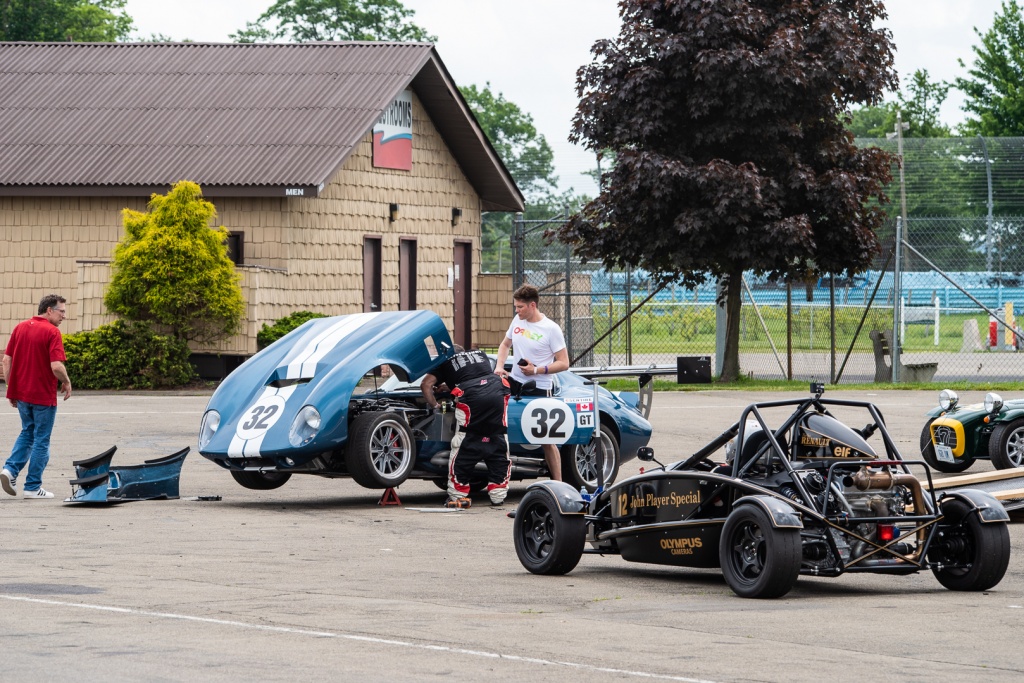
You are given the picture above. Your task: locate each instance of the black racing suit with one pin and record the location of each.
(480, 412)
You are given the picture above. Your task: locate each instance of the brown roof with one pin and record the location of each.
(240, 120)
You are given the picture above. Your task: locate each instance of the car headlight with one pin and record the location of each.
(948, 399)
(304, 427)
(211, 421)
(993, 402)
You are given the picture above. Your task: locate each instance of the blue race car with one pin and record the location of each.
(301, 406)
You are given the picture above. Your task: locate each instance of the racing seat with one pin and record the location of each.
(750, 450)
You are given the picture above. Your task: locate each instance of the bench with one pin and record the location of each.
(909, 372)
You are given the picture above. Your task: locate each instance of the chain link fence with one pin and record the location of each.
(949, 289)
(962, 283)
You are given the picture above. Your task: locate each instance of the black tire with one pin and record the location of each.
(262, 481)
(547, 542)
(579, 463)
(980, 552)
(381, 451)
(1006, 445)
(928, 453)
(758, 560)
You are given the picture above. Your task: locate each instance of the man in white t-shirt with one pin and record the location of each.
(538, 351)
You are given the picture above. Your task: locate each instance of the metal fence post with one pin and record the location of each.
(832, 324)
(629, 319)
(568, 296)
(720, 331)
(988, 223)
(518, 246)
(897, 287)
(789, 329)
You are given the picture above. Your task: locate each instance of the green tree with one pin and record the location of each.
(82, 21)
(58, 20)
(173, 269)
(530, 161)
(725, 116)
(918, 106)
(525, 152)
(994, 88)
(303, 21)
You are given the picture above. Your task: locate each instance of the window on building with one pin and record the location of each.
(236, 247)
(407, 275)
(371, 274)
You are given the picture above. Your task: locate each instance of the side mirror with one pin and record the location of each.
(528, 386)
(645, 454)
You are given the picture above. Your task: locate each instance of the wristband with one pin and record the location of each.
(545, 369)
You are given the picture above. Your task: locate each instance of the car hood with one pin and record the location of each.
(318, 364)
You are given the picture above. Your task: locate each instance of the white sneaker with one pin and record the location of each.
(8, 481)
(38, 494)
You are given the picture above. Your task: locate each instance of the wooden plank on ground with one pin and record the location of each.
(976, 478)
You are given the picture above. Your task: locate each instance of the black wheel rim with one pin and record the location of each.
(749, 550)
(959, 546)
(538, 532)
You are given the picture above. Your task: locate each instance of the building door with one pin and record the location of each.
(371, 274)
(407, 275)
(463, 290)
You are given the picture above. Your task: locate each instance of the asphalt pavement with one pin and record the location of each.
(315, 581)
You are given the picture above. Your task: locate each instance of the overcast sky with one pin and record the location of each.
(529, 50)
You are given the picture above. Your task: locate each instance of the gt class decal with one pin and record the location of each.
(547, 420)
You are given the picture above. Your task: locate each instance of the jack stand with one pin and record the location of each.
(390, 497)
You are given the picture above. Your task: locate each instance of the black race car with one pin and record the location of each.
(808, 497)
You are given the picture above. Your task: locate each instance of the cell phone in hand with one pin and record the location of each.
(523, 362)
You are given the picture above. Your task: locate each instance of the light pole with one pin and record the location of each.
(898, 134)
(901, 231)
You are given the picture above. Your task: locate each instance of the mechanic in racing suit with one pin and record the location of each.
(480, 412)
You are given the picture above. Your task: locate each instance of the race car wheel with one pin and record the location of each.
(758, 560)
(262, 481)
(1006, 445)
(381, 451)
(579, 463)
(969, 555)
(928, 453)
(547, 542)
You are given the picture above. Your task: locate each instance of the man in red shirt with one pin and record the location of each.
(33, 366)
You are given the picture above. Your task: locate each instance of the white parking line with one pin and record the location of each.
(63, 413)
(351, 636)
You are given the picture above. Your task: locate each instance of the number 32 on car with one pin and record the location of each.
(547, 420)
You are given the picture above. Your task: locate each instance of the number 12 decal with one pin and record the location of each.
(547, 420)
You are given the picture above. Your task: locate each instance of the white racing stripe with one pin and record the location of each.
(239, 447)
(386, 642)
(302, 363)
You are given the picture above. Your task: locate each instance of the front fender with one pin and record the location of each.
(568, 499)
(989, 508)
(782, 514)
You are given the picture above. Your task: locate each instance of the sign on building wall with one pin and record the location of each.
(392, 135)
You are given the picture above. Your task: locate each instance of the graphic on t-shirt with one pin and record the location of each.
(529, 334)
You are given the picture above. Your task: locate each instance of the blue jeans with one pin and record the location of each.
(33, 444)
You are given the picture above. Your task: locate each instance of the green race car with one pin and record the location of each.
(955, 436)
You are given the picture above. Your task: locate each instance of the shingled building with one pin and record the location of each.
(352, 176)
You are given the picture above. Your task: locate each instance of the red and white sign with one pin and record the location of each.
(392, 135)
